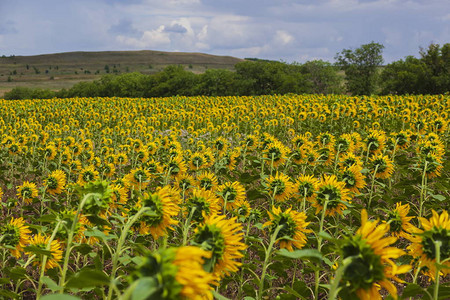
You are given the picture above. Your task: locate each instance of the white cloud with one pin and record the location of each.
(283, 37)
(150, 39)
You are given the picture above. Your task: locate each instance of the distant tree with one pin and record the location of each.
(322, 77)
(407, 76)
(429, 74)
(361, 67)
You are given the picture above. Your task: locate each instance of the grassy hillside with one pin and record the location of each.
(63, 70)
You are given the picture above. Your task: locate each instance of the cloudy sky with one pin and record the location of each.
(286, 30)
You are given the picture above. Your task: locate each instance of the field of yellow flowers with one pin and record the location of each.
(268, 197)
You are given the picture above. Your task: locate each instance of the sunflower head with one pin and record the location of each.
(223, 238)
(367, 259)
(382, 166)
(176, 273)
(15, 234)
(279, 186)
(332, 192)
(291, 226)
(435, 233)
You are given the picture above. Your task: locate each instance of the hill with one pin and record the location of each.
(63, 70)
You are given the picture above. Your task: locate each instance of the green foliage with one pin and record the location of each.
(360, 66)
(429, 74)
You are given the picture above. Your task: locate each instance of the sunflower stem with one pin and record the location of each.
(268, 252)
(334, 288)
(372, 186)
(44, 260)
(69, 242)
(186, 226)
(319, 247)
(423, 188)
(437, 246)
(122, 238)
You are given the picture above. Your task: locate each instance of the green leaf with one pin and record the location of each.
(293, 292)
(297, 254)
(38, 251)
(47, 218)
(9, 294)
(413, 290)
(51, 284)
(4, 280)
(438, 197)
(145, 288)
(219, 296)
(83, 248)
(16, 273)
(88, 278)
(59, 297)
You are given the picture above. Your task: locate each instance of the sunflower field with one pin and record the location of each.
(265, 197)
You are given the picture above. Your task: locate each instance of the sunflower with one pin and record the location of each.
(353, 178)
(137, 179)
(348, 160)
(279, 187)
(43, 242)
(326, 155)
(242, 209)
(231, 193)
(311, 155)
(250, 143)
(275, 153)
(121, 158)
(439, 124)
(108, 170)
(220, 145)
(65, 156)
(325, 139)
(431, 164)
(370, 264)
(230, 159)
(153, 167)
(15, 234)
(200, 203)
(300, 140)
(185, 182)
(178, 273)
(297, 155)
(291, 225)
(27, 192)
(223, 237)
(56, 182)
(375, 141)
(141, 155)
(398, 220)
(87, 174)
(207, 180)
(151, 147)
(75, 166)
(436, 229)
(401, 139)
(344, 144)
(382, 166)
(305, 186)
(119, 195)
(333, 193)
(160, 216)
(197, 161)
(176, 167)
(50, 152)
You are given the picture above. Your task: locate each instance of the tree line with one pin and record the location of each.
(356, 71)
